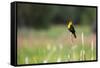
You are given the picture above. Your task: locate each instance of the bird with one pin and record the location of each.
(71, 27)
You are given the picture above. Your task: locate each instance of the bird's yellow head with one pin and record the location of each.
(69, 24)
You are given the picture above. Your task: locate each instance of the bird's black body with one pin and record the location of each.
(72, 30)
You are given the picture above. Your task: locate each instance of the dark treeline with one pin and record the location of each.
(42, 16)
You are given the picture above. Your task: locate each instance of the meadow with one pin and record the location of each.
(55, 44)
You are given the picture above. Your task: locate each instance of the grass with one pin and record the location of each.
(34, 45)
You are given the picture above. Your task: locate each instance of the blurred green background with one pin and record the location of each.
(43, 36)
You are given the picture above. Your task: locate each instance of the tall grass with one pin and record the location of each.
(54, 45)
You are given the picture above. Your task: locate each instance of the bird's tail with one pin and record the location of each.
(74, 35)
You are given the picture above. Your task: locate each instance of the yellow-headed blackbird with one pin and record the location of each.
(71, 27)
